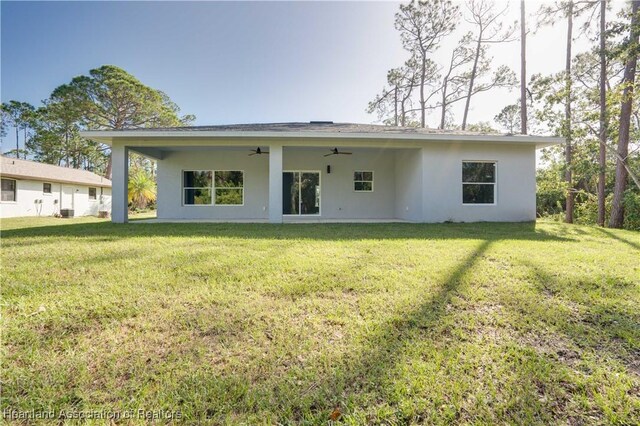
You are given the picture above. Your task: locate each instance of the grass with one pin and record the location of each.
(388, 323)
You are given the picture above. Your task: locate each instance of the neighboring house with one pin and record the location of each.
(324, 171)
(37, 189)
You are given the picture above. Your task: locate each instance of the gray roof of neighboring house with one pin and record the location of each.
(25, 169)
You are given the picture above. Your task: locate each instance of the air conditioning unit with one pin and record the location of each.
(68, 213)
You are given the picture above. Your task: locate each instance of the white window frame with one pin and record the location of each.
(213, 194)
(363, 181)
(15, 191)
(93, 200)
(495, 183)
(182, 187)
(47, 194)
(319, 198)
(211, 188)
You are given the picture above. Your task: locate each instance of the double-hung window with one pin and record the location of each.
(197, 186)
(478, 182)
(92, 193)
(46, 188)
(362, 181)
(8, 190)
(208, 187)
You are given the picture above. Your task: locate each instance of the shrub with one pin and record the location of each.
(632, 210)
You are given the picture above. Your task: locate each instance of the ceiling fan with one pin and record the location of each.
(335, 151)
(258, 151)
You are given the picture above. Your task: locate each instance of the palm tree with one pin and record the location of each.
(142, 189)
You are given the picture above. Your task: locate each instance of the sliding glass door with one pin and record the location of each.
(301, 193)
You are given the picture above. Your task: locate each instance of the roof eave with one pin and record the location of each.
(55, 180)
(107, 137)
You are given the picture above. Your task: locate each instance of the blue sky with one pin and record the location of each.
(223, 62)
(235, 62)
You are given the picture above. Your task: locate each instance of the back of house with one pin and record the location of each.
(325, 171)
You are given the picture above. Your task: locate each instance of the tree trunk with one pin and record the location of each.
(17, 142)
(395, 105)
(617, 207)
(472, 78)
(423, 76)
(602, 157)
(443, 109)
(66, 148)
(568, 152)
(523, 71)
(107, 172)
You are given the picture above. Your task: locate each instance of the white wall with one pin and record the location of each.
(338, 199)
(256, 184)
(28, 191)
(414, 184)
(442, 183)
(408, 167)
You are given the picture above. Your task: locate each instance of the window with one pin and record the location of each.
(478, 182)
(206, 187)
(46, 188)
(363, 181)
(8, 190)
(197, 187)
(229, 188)
(92, 193)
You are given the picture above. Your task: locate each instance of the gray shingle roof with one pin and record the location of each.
(313, 126)
(25, 169)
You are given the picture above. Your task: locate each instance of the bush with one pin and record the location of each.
(550, 193)
(632, 210)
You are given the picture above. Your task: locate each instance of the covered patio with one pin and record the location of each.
(329, 172)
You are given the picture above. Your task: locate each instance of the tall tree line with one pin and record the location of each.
(424, 85)
(591, 101)
(106, 98)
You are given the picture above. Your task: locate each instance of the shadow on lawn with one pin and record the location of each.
(606, 329)
(106, 231)
(616, 237)
(366, 371)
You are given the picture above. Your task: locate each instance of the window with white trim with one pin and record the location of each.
(8, 190)
(196, 187)
(46, 188)
(363, 181)
(92, 193)
(478, 182)
(229, 187)
(208, 187)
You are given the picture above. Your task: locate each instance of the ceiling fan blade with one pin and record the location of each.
(328, 155)
(345, 153)
(264, 152)
(253, 153)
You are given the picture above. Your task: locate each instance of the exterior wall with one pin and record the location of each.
(442, 183)
(338, 199)
(256, 184)
(28, 191)
(408, 168)
(419, 184)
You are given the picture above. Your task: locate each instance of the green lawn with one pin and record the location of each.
(256, 323)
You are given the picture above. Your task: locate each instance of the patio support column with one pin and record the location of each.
(119, 184)
(275, 183)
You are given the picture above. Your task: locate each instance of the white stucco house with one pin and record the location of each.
(325, 171)
(30, 188)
